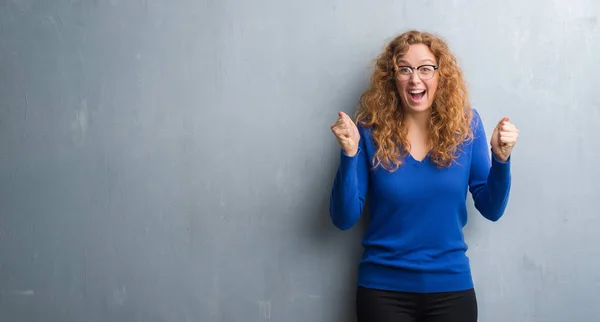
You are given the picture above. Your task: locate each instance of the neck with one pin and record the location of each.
(418, 120)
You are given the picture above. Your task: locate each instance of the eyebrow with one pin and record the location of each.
(426, 60)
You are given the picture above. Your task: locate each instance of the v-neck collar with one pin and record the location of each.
(410, 156)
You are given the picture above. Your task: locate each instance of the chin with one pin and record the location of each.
(417, 108)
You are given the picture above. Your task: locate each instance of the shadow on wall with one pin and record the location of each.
(337, 247)
(333, 245)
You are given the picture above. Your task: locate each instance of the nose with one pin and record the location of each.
(414, 78)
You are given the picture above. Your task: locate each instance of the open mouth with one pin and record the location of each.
(416, 95)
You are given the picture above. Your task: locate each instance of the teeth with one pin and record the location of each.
(417, 91)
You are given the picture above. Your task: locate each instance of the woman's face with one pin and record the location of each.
(417, 87)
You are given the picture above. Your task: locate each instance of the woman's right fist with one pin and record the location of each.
(346, 133)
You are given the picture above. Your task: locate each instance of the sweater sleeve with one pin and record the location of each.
(489, 184)
(349, 187)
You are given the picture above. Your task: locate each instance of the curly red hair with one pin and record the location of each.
(451, 114)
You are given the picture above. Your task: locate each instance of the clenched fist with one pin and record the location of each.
(346, 134)
(504, 139)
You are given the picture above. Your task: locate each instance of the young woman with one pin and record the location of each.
(414, 151)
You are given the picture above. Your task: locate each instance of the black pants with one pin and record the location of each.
(386, 306)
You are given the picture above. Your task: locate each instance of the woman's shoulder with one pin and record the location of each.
(476, 120)
(477, 126)
(475, 116)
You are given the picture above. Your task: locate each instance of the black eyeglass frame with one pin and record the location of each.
(412, 70)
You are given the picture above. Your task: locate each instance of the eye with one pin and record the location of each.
(426, 69)
(405, 70)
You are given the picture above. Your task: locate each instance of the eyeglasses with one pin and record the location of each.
(425, 72)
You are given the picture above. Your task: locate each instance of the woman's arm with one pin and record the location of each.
(349, 188)
(489, 182)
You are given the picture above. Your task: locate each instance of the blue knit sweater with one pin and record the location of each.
(414, 240)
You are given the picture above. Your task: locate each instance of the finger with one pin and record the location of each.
(508, 127)
(508, 140)
(502, 121)
(343, 115)
(339, 123)
(336, 123)
(337, 129)
(341, 132)
(345, 121)
(340, 126)
(348, 120)
(350, 125)
(505, 140)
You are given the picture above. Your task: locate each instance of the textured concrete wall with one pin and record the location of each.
(172, 160)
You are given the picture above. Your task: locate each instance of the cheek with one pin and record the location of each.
(401, 88)
(432, 86)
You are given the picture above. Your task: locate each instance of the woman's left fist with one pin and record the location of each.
(504, 139)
